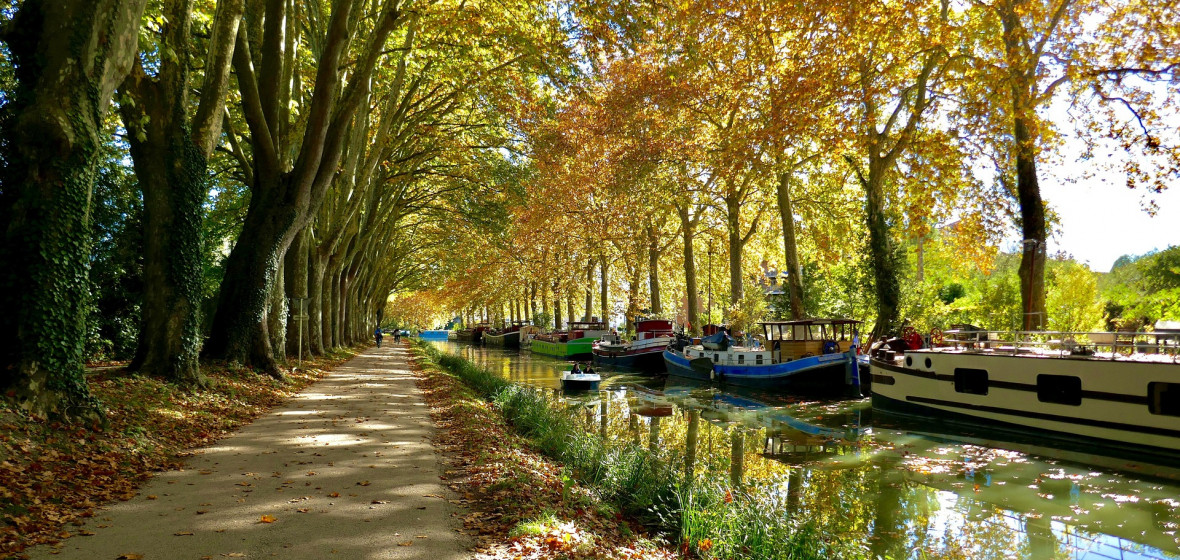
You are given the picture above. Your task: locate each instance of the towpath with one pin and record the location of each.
(343, 470)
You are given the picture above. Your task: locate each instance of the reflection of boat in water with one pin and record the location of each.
(808, 355)
(1104, 397)
(644, 353)
(793, 434)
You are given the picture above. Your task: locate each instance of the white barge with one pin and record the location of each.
(1105, 392)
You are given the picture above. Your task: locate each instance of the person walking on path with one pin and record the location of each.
(343, 470)
(378, 334)
(397, 336)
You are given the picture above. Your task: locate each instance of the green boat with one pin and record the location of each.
(577, 344)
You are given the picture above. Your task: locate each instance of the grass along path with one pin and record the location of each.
(520, 503)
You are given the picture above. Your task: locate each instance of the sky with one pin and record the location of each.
(1102, 221)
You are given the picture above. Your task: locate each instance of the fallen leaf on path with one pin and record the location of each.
(151, 497)
(85, 533)
(334, 495)
(303, 510)
(267, 519)
(130, 557)
(379, 502)
(407, 543)
(183, 533)
(363, 483)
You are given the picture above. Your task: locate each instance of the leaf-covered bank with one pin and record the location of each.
(55, 474)
(701, 516)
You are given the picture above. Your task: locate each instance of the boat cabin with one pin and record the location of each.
(583, 329)
(791, 340)
(652, 328)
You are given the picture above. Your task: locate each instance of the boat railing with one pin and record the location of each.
(1109, 345)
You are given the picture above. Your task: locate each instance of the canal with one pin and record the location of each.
(907, 491)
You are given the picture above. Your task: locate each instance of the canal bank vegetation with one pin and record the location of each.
(666, 491)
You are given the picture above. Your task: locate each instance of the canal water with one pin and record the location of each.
(906, 491)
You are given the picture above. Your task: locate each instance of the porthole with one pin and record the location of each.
(928, 365)
(972, 381)
(1163, 398)
(1059, 389)
(909, 361)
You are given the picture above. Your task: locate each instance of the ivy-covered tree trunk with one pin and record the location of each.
(68, 57)
(881, 254)
(170, 153)
(786, 209)
(171, 175)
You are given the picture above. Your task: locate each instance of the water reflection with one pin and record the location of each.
(905, 493)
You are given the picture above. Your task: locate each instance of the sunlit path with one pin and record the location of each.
(345, 470)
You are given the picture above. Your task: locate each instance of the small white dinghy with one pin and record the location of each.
(579, 381)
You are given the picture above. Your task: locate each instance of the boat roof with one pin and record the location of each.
(817, 321)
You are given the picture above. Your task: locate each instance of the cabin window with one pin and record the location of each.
(1059, 389)
(741, 358)
(1164, 398)
(716, 358)
(909, 361)
(758, 359)
(972, 381)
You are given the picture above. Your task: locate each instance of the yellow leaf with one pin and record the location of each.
(268, 519)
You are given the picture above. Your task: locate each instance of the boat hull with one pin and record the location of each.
(1072, 402)
(828, 372)
(651, 361)
(572, 385)
(508, 340)
(579, 349)
(434, 335)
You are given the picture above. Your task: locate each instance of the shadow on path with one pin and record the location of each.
(345, 469)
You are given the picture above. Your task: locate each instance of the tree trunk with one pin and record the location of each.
(604, 295)
(276, 315)
(533, 303)
(1028, 191)
(786, 211)
(569, 308)
(170, 154)
(250, 272)
(733, 220)
(690, 270)
(556, 308)
(68, 56)
(589, 291)
(881, 253)
(171, 173)
(295, 272)
(653, 271)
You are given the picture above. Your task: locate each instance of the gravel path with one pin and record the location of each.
(343, 470)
